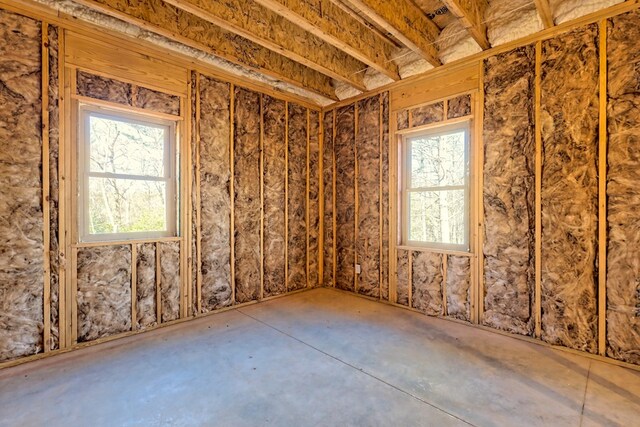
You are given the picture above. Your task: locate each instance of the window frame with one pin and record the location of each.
(85, 112)
(405, 171)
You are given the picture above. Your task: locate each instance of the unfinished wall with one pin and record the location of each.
(458, 287)
(169, 260)
(146, 290)
(426, 282)
(21, 228)
(623, 195)
(508, 193)
(569, 115)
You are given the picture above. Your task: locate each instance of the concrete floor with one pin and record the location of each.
(319, 358)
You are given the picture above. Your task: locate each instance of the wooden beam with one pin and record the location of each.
(471, 14)
(544, 10)
(177, 25)
(330, 23)
(270, 30)
(406, 22)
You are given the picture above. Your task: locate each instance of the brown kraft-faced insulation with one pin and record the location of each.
(344, 146)
(368, 153)
(103, 88)
(459, 106)
(458, 286)
(327, 181)
(569, 114)
(623, 193)
(385, 197)
(509, 186)
(314, 194)
(169, 254)
(215, 201)
(402, 118)
(402, 281)
(297, 198)
(104, 291)
(426, 282)
(156, 101)
(54, 147)
(427, 114)
(146, 285)
(246, 158)
(275, 174)
(21, 227)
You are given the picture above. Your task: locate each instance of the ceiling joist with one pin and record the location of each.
(264, 27)
(471, 15)
(174, 24)
(406, 22)
(332, 24)
(544, 10)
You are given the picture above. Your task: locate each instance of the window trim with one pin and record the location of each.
(405, 170)
(87, 110)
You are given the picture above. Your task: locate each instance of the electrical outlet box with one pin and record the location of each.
(357, 268)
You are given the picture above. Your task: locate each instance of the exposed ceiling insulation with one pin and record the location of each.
(343, 90)
(455, 42)
(509, 20)
(410, 64)
(566, 10)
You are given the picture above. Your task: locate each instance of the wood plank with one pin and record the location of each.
(538, 197)
(332, 24)
(602, 195)
(177, 25)
(471, 14)
(134, 283)
(270, 30)
(544, 10)
(46, 213)
(405, 21)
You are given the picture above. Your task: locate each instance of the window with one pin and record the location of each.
(436, 188)
(127, 176)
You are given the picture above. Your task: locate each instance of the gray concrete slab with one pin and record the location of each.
(318, 358)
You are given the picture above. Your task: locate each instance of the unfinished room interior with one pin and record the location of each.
(319, 213)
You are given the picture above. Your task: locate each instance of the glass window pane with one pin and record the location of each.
(437, 216)
(121, 147)
(437, 160)
(126, 205)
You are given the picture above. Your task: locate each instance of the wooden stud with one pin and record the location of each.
(393, 207)
(232, 191)
(46, 213)
(183, 143)
(72, 212)
(134, 286)
(74, 296)
(477, 302)
(544, 10)
(321, 206)
(356, 197)
(198, 211)
(286, 199)
(602, 195)
(380, 194)
(158, 285)
(445, 266)
(335, 220)
(127, 108)
(538, 195)
(63, 248)
(185, 175)
(306, 206)
(410, 273)
(261, 196)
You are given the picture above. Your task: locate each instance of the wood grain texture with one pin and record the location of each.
(403, 277)
(459, 106)
(384, 287)
(327, 180)
(426, 282)
(169, 253)
(314, 194)
(297, 198)
(275, 174)
(146, 285)
(368, 153)
(215, 200)
(458, 287)
(247, 194)
(509, 185)
(54, 195)
(21, 228)
(569, 114)
(344, 146)
(104, 291)
(427, 114)
(623, 194)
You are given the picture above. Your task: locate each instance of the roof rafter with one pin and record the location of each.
(172, 23)
(330, 23)
(406, 22)
(471, 14)
(544, 10)
(260, 25)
